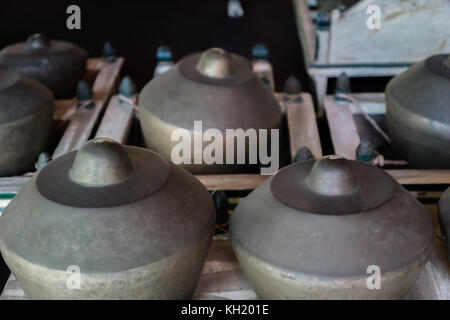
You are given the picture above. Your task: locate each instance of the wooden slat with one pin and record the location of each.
(117, 121)
(232, 181)
(12, 184)
(79, 130)
(252, 181)
(357, 71)
(107, 80)
(344, 133)
(302, 126)
(421, 177)
(83, 121)
(321, 74)
(307, 30)
(222, 276)
(376, 97)
(93, 64)
(64, 109)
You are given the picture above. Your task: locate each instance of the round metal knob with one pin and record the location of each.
(37, 41)
(215, 63)
(332, 175)
(101, 162)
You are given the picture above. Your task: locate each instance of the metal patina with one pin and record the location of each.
(313, 229)
(215, 87)
(418, 113)
(26, 109)
(59, 65)
(136, 226)
(444, 219)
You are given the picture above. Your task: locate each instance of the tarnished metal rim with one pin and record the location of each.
(150, 173)
(205, 234)
(423, 257)
(439, 127)
(437, 65)
(56, 47)
(21, 96)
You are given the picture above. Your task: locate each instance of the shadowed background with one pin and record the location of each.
(137, 28)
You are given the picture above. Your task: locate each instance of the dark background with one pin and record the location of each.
(137, 28)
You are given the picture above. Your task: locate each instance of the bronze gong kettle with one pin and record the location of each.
(59, 65)
(323, 229)
(26, 109)
(215, 87)
(418, 113)
(129, 223)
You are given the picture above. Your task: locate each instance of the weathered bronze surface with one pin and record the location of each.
(149, 245)
(26, 109)
(418, 113)
(314, 247)
(59, 65)
(217, 88)
(444, 219)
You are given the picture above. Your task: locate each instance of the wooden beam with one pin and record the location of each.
(117, 121)
(344, 134)
(423, 176)
(13, 184)
(82, 122)
(79, 129)
(306, 30)
(232, 181)
(302, 124)
(107, 80)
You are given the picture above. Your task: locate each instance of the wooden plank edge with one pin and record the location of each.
(232, 181)
(117, 121)
(302, 126)
(343, 130)
(107, 79)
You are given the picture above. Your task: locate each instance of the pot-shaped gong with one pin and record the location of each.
(59, 65)
(108, 222)
(418, 113)
(331, 229)
(219, 89)
(26, 109)
(444, 219)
